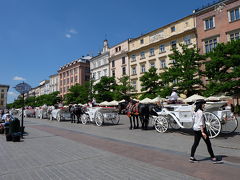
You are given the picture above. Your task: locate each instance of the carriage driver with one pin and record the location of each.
(174, 96)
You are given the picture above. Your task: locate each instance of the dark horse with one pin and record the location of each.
(136, 111)
(77, 111)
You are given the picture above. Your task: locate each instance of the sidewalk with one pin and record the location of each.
(63, 150)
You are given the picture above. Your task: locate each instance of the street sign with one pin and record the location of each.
(23, 88)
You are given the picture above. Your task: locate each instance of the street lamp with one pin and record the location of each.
(22, 88)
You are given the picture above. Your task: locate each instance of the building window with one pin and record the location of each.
(134, 85)
(123, 70)
(174, 44)
(187, 40)
(94, 64)
(210, 45)
(2, 102)
(105, 72)
(142, 54)
(141, 41)
(71, 72)
(162, 48)
(152, 64)
(2, 96)
(99, 63)
(173, 29)
(133, 57)
(76, 79)
(209, 23)
(94, 76)
(64, 74)
(123, 60)
(113, 63)
(118, 49)
(234, 14)
(60, 76)
(71, 79)
(163, 64)
(75, 71)
(67, 73)
(99, 74)
(60, 82)
(67, 80)
(134, 70)
(152, 52)
(143, 69)
(87, 70)
(113, 73)
(234, 36)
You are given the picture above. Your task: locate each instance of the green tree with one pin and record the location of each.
(78, 94)
(104, 90)
(184, 71)
(122, 89)
(151, 84)
(223, 69)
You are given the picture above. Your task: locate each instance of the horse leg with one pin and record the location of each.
(137, 119)
(134, 124)
(142, 120)
(131, 127)
(146, 121)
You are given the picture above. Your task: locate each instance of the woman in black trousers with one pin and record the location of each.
(199, 128)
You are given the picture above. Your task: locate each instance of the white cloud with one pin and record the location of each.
(73, 31)
(68, 36)
(17, 78)
(70, 33)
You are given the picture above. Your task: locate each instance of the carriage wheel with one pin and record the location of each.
(59, 118)
(50, 117)
(85, 118)
(229, 124)
(116, 119)
(213, 124)
(99, 118)
(161, 124)
(173, 124)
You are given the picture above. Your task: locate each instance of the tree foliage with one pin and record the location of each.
(223, 69)
(122, 89)
(48, 99)
(151, 83)
(104, 90)
(184, 71)
(78, 94)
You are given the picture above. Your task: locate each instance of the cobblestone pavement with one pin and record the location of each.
(61, 150)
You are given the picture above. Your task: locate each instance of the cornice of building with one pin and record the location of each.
(211, 6)
(193, 30)
(82, 60)
(99, 56)
(5, 86)
(163, 27)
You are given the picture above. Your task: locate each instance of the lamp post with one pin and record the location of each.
(22, 88)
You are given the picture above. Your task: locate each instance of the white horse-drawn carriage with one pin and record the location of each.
(99, 115)
(60, 114)
(175, 116)
(43, 112)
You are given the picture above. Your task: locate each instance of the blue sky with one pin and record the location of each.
(39, 36)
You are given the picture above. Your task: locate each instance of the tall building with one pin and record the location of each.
(152, 49)
(99, 65)
(75, 72)
(3, 96)
(119, 62)
(54, 83)
(217, 23)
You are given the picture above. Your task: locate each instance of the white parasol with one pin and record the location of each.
(194, 98)
(157, 99)
(113, 103)
(146, 101)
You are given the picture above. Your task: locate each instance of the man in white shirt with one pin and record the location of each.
(174, 96)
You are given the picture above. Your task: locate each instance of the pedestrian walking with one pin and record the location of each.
(199, 128)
